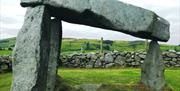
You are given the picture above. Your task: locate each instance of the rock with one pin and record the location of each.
(178, 59)
(89, 66)
(142, 56)
(55, 45)
(129, 60)
(133, 63)
(108, 58)
(109, 65)
(119, 61)
(128, 55)
(122, 54)
(31, 53)
(91, 62)
(177, 65)
(174, 59)
(89, 55)
(172, 63)
(152, 74)
(167, 59)
(97, 64)
(141, 62)
(178, 53)
(94, 57)
(108, 14)
(178, 62)
(172, 54)
(172, 51)
(88, 87)
(137, 58)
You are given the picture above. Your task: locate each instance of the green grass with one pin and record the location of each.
(128, 76)
(5, 43)
(70, 46)
(5, 81)
(5, 52)
(79, 76)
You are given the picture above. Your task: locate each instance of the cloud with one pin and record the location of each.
(82, 31)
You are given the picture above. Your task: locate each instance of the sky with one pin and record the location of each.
(12, 17)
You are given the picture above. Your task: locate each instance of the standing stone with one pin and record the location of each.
(152, 74)
(55, 45)
(31, 52)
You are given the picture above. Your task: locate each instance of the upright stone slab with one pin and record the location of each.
(152, 73)
(31, 52)
(55, 45)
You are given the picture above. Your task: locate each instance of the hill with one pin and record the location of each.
(70, 45)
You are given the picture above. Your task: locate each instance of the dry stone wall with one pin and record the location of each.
(5, 63)
(96, 60)
(115, 59)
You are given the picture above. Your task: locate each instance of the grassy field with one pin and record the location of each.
(128, 76)
(70, 45)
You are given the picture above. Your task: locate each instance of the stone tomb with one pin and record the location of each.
(38, 43)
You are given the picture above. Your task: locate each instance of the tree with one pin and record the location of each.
(109, 42)
(87, 46)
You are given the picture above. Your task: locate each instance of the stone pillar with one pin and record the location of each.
(55, 45)
(31, 52)
(152, 72)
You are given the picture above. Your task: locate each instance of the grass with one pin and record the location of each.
(70, 46)
(97, 76)
(127, 76)
(5, 52)
(5, 43)
(5, 81)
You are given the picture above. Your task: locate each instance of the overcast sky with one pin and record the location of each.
(12, 15)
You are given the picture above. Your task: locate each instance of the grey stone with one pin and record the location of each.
(108, 14)
(119, 61)
(133, 63)
(178, 62)
(142, 56)
(31, 53)
(129, 60)
(167, 59)
(172, 51)
(108, 58)
(172, 54)
(178, 53)
(109, 65)
(172, 63)
(89, 66)
(152, 74)
(55, 45)
(97, 64)
(174, 59)
(177, 65)
(137, 58)
(178, 59)
(88, 87)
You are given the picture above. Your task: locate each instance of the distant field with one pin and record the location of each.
(70, 45)
(128, 76)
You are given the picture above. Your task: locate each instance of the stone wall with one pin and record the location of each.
(5, 63)
(96, 60)
(115, 59)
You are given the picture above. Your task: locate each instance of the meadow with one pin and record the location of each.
(121, 76)
(70, 45)
(113, 76)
